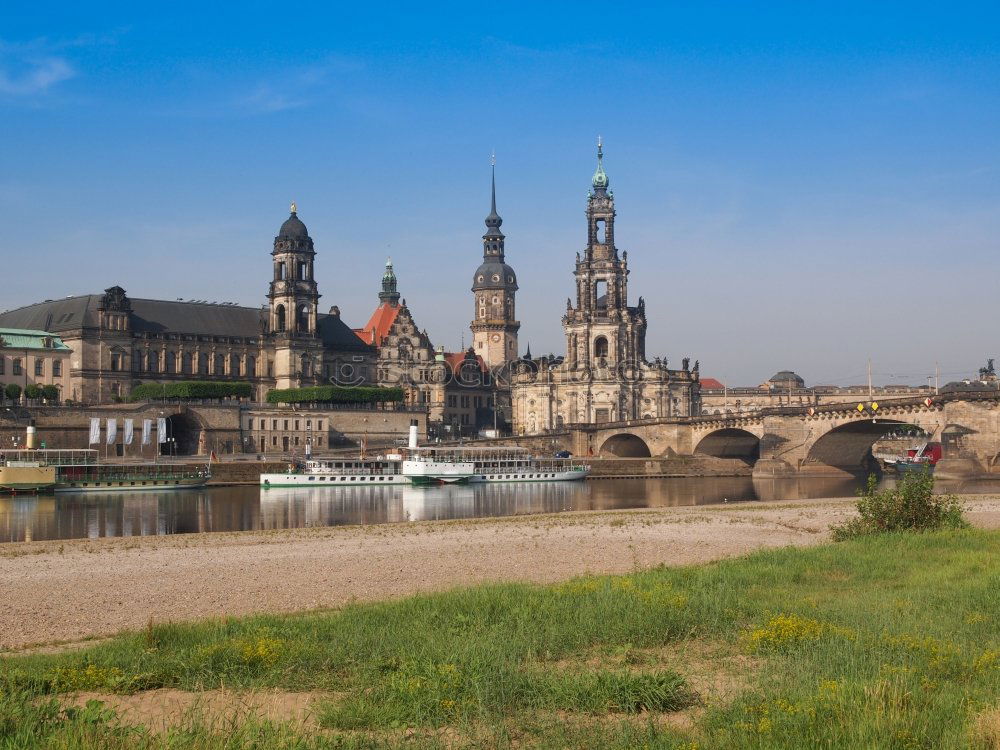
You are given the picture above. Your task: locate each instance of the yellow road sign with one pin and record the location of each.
(861, 407)
(874, 405)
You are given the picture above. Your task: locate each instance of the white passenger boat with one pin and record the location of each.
(431, 465)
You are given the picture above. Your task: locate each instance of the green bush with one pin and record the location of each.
(331, 394)
(50, 393)
(33, 391)
(909, 506)
(191, 389)
(12, 391)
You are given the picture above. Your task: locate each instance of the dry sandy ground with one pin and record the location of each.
(66, 591)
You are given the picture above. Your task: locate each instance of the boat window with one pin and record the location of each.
(312, 479)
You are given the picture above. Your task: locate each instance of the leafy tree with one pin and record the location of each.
(33, 391)
(12, 391)
(50, 393)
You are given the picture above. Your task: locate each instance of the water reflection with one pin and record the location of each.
(68, 516)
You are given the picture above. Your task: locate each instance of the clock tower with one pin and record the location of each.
(494, 327)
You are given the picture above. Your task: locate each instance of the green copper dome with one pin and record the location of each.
(600, 180)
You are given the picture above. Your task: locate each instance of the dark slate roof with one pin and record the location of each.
(164, 316)
(487, 269)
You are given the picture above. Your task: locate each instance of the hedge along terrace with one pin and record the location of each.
(330, 394)
(191, 389)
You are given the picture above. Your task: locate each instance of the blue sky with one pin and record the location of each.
(798, 185)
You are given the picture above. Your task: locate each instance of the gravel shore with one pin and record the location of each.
(72, 590)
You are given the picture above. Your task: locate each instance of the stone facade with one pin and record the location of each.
(118, 341)
(34, 358)
(494, 325)
(604, 376)
(784, 390)
(222, 427)
(455, 388)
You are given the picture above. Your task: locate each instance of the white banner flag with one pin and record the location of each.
(95, 430)
(161, 430)
(112, 431)
(129, 432)
(147, 427)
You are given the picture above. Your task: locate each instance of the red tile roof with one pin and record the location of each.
(455, 360)
(711, 383)
(378, 325)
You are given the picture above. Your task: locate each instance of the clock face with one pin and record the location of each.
(496, 337)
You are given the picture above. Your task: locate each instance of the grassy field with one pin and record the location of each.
(879, 642)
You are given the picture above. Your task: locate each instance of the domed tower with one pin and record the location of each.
(494, 328)
(294, 302)
(293, 295)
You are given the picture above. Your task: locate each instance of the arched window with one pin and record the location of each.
(234, 365)
(279, 313)
(186, 363)
(220, 364)
(302, 271)
(171, 364)
(203, 364)
(302, 325)
(152, 361)
(600, 230)
(600, 347)
(601, 295)
(282, 271)
(251, 365)
(136, 361)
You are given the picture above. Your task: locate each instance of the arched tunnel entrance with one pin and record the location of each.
(184, 436)
(626, 446)
(730, 443)
(848, 448)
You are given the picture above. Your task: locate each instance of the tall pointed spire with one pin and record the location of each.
(493, 221)
(600, 181)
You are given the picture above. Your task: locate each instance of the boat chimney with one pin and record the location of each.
(413, 434)
(29, 442)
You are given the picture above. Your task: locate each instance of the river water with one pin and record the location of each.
(93, 515)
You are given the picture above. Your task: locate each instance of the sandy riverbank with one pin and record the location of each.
(60, 591)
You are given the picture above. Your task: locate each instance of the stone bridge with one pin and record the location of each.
(832, 439)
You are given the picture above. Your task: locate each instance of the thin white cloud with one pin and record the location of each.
(30, 77)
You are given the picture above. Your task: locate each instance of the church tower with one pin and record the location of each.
(494, 328)
(294, 301)
(601, 329)
(389, 292)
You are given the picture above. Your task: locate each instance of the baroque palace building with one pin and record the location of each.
(604, 376)
(118, 341)
(454, 387)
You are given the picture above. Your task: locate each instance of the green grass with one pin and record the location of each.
(888, 641)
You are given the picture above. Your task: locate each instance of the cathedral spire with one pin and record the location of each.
(493, 220)
(600, 181)
(493, 239)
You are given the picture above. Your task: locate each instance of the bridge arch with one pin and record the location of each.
(626, 445)
(730, 442)
(848, 447)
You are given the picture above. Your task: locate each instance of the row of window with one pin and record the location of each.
(204, 364)
(287, 424)
(167, 362)
(287, 442)
(466, 402)
(17, 367)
